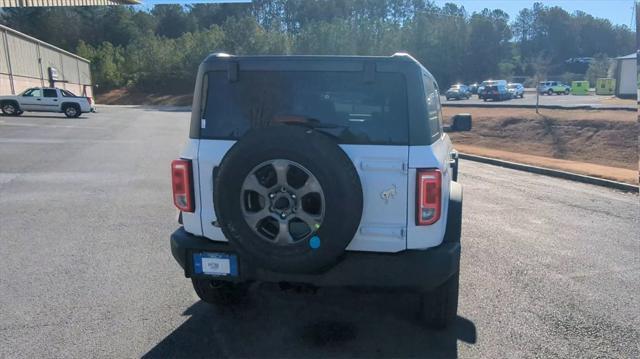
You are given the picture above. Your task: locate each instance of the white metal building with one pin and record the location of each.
(627, 76)
(28, 62)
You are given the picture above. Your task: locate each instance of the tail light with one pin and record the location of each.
(90, 100)
(428, 196)
(182, 183)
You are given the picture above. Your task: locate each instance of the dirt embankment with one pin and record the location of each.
(126, 97)
(600, 143)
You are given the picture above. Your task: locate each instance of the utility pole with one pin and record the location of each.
(535, 86)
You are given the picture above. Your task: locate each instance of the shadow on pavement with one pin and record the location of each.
(331, 324)
(61, 116)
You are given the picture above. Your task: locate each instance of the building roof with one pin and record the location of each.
(630, 56)
(41, 3)
(40, 42)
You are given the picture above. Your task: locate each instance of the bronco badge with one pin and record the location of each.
(389, 193)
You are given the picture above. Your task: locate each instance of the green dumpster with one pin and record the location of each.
(580, 87)
(605, 86)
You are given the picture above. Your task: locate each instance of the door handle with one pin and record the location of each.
(38, 99)
(55, 100)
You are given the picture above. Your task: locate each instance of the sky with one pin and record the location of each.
(619, 12)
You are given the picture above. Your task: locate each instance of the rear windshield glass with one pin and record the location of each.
(341, 104)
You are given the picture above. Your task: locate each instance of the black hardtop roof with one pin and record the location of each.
(283, 62)
(400, 57)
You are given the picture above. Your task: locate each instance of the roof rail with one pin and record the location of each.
(221, 54)
(405, 55)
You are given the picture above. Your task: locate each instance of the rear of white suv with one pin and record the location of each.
(318, 170)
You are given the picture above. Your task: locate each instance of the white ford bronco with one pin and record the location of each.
(319, 171)
(46, 99)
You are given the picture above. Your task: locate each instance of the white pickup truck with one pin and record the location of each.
(44, 99)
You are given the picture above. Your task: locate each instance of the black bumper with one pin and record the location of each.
(420, 269)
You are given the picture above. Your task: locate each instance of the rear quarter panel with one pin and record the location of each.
(191, 221)
(434, 156)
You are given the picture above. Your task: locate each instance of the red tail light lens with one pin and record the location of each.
(182, 183)
(428, 196)
(90, 100)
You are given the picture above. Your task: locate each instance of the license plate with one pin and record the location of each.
(215, 264)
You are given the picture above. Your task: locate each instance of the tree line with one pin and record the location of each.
(159, 49)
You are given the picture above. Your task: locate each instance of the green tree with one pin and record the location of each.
(598, 68)
(173, 20)
(107, 62)
(160, 49)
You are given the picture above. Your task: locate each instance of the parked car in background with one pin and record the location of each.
(495, 93)
(458, 92)
(553, 87)
(474, 88)
(515, 90)
(485, 84)
(43, 99)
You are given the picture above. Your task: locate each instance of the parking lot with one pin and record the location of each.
(549, 267)
(553, 100)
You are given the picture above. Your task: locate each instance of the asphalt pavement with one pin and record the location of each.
(529, 99)
(549, 267)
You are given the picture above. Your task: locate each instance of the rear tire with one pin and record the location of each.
(550, 92)
(439, 307)
(72, 111)
(220, 292)
(566, 92)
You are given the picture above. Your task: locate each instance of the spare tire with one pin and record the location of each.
(288, 199)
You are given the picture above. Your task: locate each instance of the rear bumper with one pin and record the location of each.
(419, 269)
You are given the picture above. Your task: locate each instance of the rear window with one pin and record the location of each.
(434, 111)
(342, 104)
(66, 93)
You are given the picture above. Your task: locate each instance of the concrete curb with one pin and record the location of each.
(548, 107)
(553, 173)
